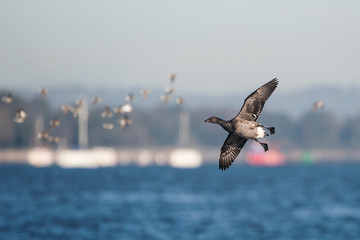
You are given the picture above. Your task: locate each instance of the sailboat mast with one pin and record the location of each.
(83, 126)
(184, 130)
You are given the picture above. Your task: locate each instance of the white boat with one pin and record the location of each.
(87, 158)
(40, 157)
(185, 158)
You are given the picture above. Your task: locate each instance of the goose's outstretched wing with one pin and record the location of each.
(255, 102)
(230, 149)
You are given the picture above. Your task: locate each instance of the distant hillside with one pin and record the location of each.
(344, 103)
(157, 125)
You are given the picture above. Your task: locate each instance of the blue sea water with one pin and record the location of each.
(320, 201)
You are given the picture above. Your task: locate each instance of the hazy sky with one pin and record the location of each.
(223, 46)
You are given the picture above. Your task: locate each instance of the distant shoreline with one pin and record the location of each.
(160, 156)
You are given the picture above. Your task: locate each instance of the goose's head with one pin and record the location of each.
(212, 119)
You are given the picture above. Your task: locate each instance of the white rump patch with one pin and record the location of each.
(260, 133)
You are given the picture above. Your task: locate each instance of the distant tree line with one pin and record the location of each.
(159, 127)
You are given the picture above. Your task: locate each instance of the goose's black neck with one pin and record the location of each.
(227, 125)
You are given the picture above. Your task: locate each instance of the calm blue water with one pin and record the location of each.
(290, 202)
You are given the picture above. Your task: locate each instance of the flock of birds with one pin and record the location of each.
(123, 111)
(241, 128)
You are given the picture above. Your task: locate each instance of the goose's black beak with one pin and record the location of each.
(207, 120)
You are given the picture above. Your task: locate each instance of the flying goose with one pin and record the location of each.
(165, 98)
(180, 101)
(54, 123)
(96, 100)
(124, 122)
(172, 77)
(20, 116)
(43, 92)
(130, 98)
(67, 108)
(169, 90)
(317, 105)
(244, 125)
(43, 135)
(75, 110)
(144, 93)
(106, 113)
(8, 98)
(126, 108)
